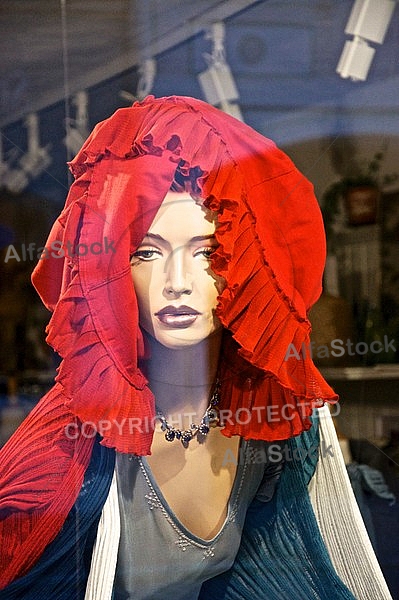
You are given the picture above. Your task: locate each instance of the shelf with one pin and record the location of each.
(361, 373)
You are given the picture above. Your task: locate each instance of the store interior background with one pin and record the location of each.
(283, 58)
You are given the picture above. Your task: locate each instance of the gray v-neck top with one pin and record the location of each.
(158, 557)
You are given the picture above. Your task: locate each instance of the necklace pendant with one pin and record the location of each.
(169, 435)
(186, 437)
(203, 429)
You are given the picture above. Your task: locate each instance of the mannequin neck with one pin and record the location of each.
(183, 379)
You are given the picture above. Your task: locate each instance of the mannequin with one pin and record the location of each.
(172, 457)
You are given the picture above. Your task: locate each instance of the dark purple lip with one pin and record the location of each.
(177, 310)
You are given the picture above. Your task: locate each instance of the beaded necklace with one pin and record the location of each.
(210, 419)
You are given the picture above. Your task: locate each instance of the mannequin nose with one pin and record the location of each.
(178, 279)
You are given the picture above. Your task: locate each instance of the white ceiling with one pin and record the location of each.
(52, 48)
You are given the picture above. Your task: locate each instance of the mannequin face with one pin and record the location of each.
(175, 287)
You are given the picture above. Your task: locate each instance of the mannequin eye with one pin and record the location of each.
(205, 252)
(145, 255)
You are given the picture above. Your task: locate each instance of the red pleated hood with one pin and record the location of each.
(271, 254)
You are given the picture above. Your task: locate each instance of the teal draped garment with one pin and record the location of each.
(281, 557)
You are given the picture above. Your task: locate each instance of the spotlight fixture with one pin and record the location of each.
(32, 164)
(147, 71)
(16, 180)
(368, 22)
(77, 129)
(217, 82)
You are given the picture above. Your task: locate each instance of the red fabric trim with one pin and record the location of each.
(42, 471)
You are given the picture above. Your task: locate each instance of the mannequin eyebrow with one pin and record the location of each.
(197, 238)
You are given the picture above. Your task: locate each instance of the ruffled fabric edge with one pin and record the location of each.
(88, 372)
(269, 383)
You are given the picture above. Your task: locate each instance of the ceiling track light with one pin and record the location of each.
(147, 71)
(77, 129)
(368, 22)
(217, 82)
(32, 163)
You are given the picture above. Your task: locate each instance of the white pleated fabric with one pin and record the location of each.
(105, 553)
(340, 521)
